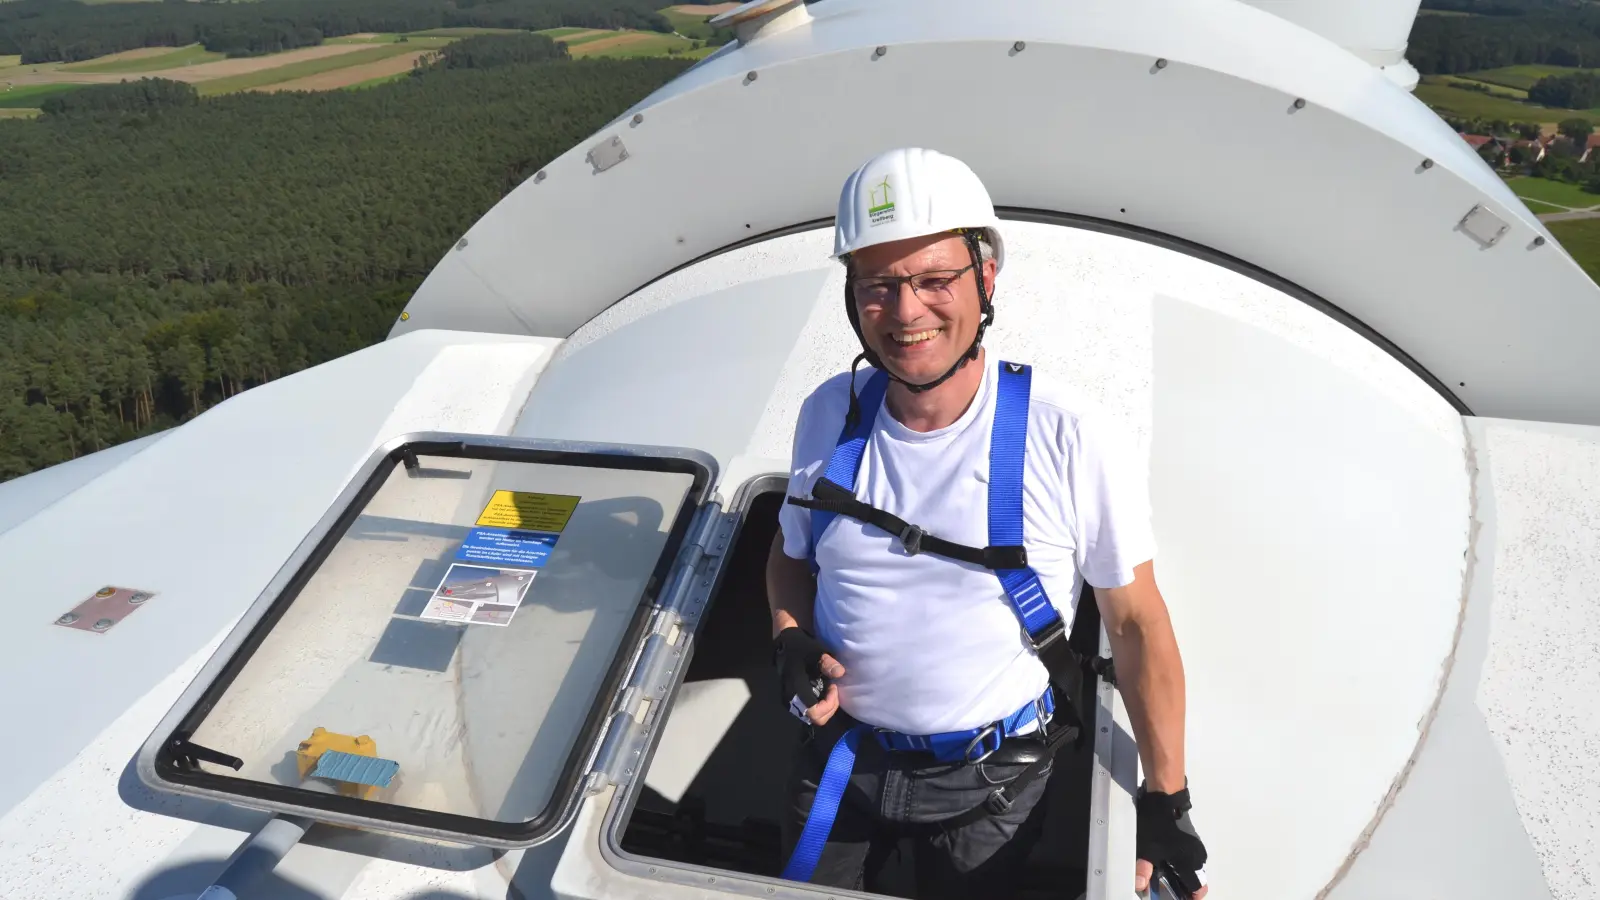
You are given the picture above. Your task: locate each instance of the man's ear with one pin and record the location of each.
(990, 270)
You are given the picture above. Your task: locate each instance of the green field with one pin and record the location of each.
(1471, 104)
(31, 95)
(1559, 193)
(374, 82)
(561, 32)
(177, 59)
(312, 67)
(1522, 77)
(652, 44)
(1540, 209)
(692, 27)
(22, 113)
(1581, 238)
(1470, 83)
(465, 32)
(8, 62)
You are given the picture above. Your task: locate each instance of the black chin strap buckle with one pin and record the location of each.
(911, 539)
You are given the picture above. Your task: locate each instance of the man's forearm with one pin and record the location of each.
(791, 589)
(1150, 677)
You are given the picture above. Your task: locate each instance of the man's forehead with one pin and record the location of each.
(915, 253)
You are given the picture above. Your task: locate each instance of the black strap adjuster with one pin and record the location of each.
(911, 539)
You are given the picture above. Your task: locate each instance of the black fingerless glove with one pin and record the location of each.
(798, 657)
(1167, 839)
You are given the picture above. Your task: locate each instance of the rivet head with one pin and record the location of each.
(1020, 46)
(102, 624)
(538, 176)
(749, 77)
(638, 118)
(881, 50)
(1299, 103)
(1427, 164)
(67, 618)
(1161, 64)
(405, 316)
(1539, 241)
(138, 597)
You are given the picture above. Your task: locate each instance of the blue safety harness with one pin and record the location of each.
(834, 494)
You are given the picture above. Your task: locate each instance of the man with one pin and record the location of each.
(945, 510)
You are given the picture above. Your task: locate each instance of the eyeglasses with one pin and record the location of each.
(932, 288)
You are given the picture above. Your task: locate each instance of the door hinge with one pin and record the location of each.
(660, 660)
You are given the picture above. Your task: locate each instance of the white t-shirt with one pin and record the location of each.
(930, 644)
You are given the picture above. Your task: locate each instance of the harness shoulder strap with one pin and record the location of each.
(1007, 445)
(847, 453)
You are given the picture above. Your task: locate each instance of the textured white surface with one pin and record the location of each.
(21, 497)
(1540, 691)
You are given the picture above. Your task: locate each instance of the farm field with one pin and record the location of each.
(1522, 77)
(355, 55)
(346, 62)
(1470, 83)
(381, 70)
(146, 59)
(1581, 239)
(21, 113)
(1559, 193)
(30, 96)
(1471, 104)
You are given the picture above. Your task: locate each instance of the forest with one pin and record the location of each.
(1504, 33)
(67, 30)
(164, 252)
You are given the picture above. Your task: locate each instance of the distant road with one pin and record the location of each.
(1569, 216)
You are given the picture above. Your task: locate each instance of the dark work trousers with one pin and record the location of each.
(896, 794)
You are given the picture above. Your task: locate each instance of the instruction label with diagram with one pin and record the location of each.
(517, 531)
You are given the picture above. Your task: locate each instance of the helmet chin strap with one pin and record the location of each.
(867, 354)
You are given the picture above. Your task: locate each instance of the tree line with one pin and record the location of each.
(488, 51)
(68, 30)
(1578, 90)
(158, 258)
(1506, 34)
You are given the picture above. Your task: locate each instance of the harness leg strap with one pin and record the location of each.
(824, 806)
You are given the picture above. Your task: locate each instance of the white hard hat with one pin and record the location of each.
(911, 192)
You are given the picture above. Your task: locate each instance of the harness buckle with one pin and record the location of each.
(911, 539)
(977, 740)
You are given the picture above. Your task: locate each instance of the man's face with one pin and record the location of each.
(919, 335)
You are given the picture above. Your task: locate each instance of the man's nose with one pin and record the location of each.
(907, 306)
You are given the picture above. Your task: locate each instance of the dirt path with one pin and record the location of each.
(338, 78)
(222, 68)
(705, 9)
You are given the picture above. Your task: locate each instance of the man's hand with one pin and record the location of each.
(806, 672)
(1165, 833)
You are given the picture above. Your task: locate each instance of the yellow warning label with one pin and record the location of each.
(534, 512)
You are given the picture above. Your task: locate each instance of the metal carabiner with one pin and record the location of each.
(978, 739)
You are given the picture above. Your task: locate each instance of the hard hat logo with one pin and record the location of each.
(881, 208)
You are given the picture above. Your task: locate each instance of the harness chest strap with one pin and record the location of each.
(834, 495)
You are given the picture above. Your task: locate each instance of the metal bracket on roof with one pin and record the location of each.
(606, 154)
(1483, 226)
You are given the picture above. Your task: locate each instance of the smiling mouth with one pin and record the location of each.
(915, 338)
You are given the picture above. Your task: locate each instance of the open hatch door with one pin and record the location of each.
(450, 652)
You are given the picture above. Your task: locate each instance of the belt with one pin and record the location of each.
(950, 746)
